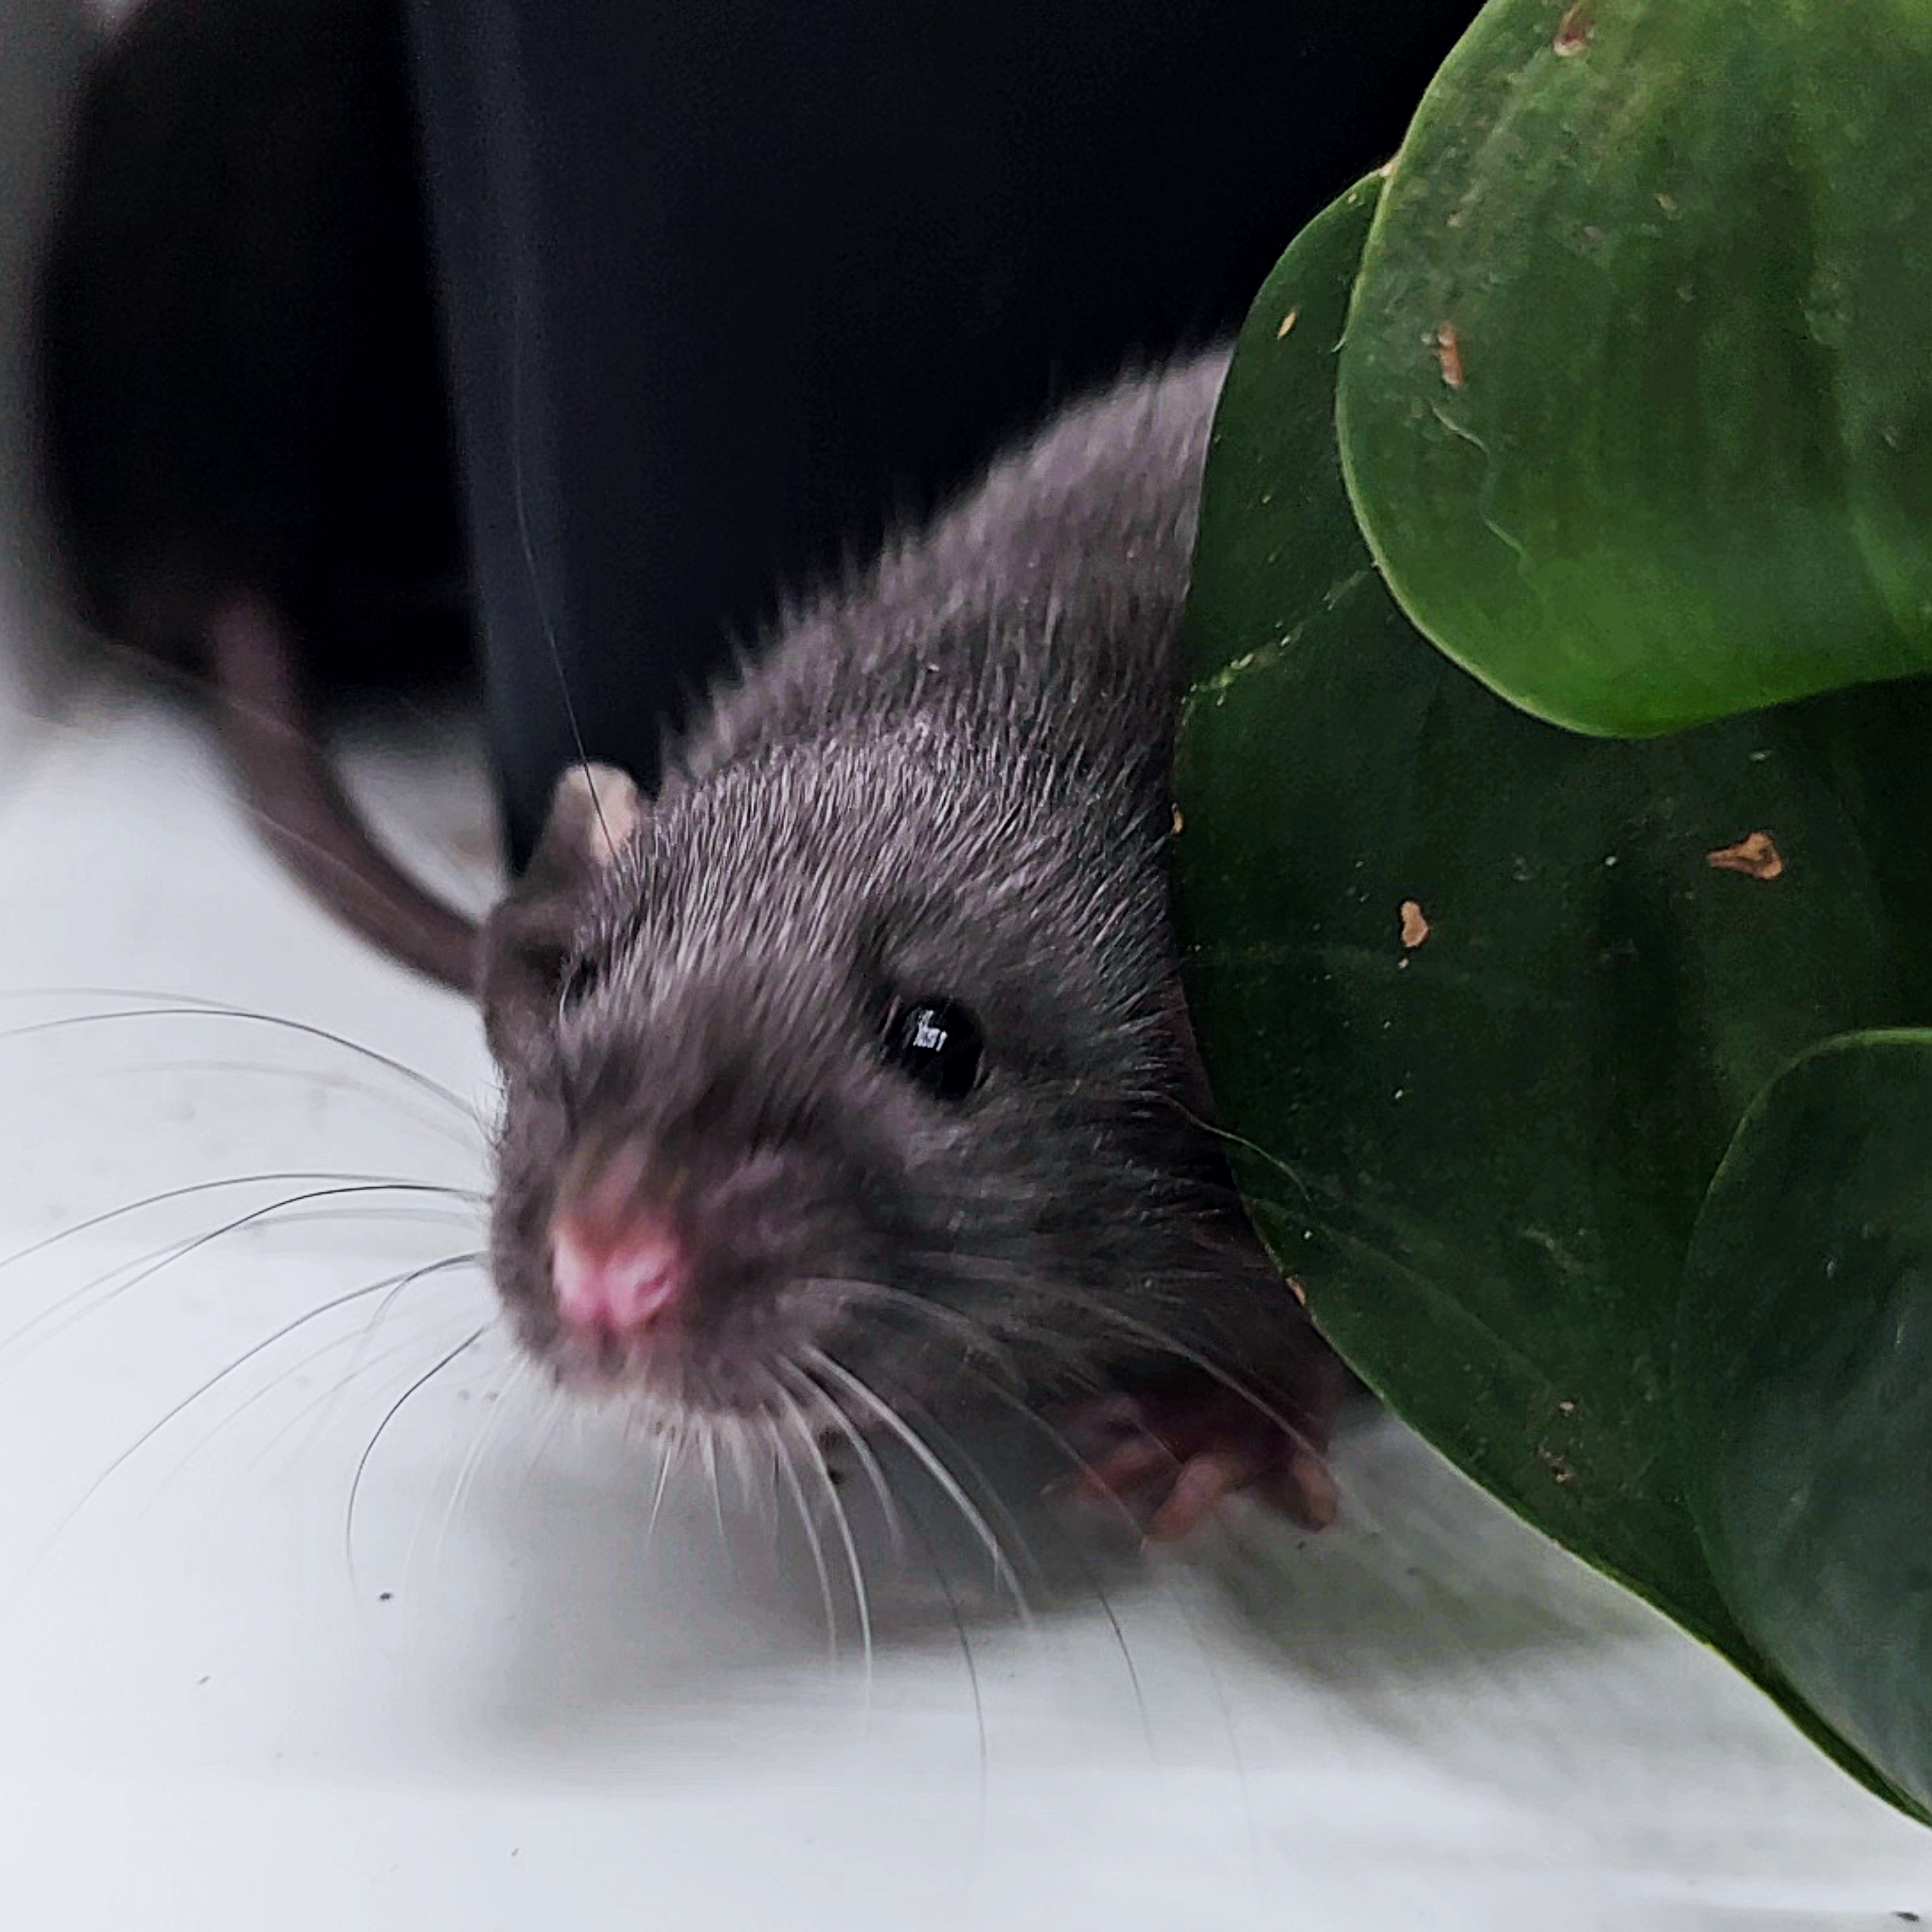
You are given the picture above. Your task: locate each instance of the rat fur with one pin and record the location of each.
(947, 782)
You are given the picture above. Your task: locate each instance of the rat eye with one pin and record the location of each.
(937, 1042)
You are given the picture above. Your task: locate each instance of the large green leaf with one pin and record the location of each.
(1637, 404)
(1805, 1373)
(1483, 1001)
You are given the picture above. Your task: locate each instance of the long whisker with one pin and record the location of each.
(529, 548)
(181, 1250)
(844, 1522)
(708, 1445)
(466, 1136)
(274, 1385)
(396, 1408)
(181, 1008)
(1150, 1335)
(949, 1484)
(788, 1470)
(1060, 1442)
(281, 1177)
(818, 1402)
(673, 1447)
(972, 1666)
(470, 1469)
(188, 1402)
(335, 1214)
(996, 1505)
(476, 1256)
(927, 1312)
(1215, 1131)
(361, 1364)
(556, 1407)
(799, 1413)
(1159, 1339)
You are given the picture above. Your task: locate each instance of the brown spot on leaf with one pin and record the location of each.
(1449, 354)
(1288, 321)
(1756, 857)
(1414, 926)
(1297, 1290)
(1573, 30)
(1180, 823)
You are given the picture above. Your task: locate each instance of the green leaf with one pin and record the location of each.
(1805, 1373)
(1636, 403)
(1483, 1155)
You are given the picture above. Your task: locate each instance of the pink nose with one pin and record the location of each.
(614, 1281)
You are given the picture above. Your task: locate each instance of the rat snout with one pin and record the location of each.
(617, 1262)
(614, 1283)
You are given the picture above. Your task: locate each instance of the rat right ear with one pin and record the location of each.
(529, 939)
(594, 812)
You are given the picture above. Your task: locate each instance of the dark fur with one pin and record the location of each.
(951, 781)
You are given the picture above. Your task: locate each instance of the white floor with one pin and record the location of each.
(497, 1699)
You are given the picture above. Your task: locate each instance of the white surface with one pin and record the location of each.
(210, 1718)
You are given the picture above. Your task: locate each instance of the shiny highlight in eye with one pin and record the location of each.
(936, 1042)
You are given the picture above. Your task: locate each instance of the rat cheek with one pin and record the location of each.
(523, 1029)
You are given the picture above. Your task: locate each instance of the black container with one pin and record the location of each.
(728, 285)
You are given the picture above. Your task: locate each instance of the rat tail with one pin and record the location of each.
(309, 820)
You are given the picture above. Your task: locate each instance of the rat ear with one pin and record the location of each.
(594, 812)
(528, 940)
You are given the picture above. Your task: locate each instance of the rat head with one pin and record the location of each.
(856, 1060)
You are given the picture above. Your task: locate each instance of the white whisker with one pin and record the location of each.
(860, 1391)
(396, 1408)
(861, 1602)
(155, 1261)
(821, 1403)
(170, 1006)
(788, 1470)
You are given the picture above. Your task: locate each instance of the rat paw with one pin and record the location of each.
(1170, 1457)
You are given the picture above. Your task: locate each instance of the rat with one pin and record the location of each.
(856, 1061)
(247, 449)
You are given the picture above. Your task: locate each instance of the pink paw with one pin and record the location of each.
(1170, 1457)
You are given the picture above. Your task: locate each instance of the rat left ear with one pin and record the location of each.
(528, 939)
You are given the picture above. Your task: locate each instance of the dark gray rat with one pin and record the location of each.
(248, 452)
(862, 1063)
(853, 1064)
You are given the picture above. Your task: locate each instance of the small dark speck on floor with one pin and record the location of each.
(201, 1680)
(384, 1596)
(1908, 1917)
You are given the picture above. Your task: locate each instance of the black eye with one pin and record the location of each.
(938, 1043)
(580, 977)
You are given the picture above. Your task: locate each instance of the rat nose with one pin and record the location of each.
(614, 1277)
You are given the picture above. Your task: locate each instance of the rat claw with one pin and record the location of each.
(1191, 1447)
(1303, 1488)
(1130, 1466)
(1204, 1482)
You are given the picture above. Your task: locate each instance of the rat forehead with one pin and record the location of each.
(811, 845)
